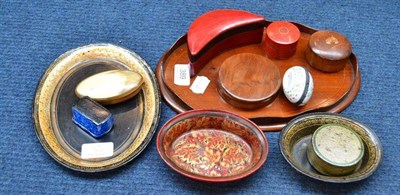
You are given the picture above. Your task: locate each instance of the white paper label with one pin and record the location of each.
(200, 84)
(97, 150)
(181, 74)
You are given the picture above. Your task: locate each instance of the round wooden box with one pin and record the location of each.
(328, 51)
(281, 40)
(248, 81)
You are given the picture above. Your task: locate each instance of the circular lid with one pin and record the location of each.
(330, 45)
(249, 77)
(283, 32)
(338, 145)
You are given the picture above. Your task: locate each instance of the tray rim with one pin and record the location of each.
(180, 106)
(42, 106)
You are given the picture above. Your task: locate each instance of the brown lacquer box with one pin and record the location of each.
(248, 81)
(281, 40)
(328, 51)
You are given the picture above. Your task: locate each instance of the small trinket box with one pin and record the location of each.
(92, 117)
(248, 81)
(110, 87)
(298, 85)
(328, 51)
(220, 30)
(281, 40)
(335, 150)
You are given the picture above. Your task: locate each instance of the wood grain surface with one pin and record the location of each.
(328, 51)
(248, 81)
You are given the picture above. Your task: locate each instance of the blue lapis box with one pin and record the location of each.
(92, 117)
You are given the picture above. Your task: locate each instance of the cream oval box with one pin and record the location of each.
(335, 150)
(110, 87)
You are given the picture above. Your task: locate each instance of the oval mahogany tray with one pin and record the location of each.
(333, 92)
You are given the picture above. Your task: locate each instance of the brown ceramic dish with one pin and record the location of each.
(296, 136)
(135, 119)
(333, 92)
(212, 146)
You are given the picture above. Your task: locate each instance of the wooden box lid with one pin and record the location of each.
(282, 33)
(248, 81)
(330, 45)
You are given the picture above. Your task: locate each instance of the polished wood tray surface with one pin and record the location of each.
(333, 92)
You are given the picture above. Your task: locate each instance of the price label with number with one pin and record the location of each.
(97, 150)
(181, 74)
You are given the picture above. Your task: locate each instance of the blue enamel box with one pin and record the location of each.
(92, 117)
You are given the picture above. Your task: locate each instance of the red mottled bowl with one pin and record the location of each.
(212, 146)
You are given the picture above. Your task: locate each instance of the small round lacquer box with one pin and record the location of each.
(281, 40)
(328, 51)
(335, 150)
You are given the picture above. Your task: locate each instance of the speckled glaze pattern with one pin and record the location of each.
(343, 140)
(213, 146)
(298, 85)
(335, 150)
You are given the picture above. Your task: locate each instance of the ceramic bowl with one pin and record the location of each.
(296, 136)
(212, 146)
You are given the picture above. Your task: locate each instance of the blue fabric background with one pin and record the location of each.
(34, 33)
